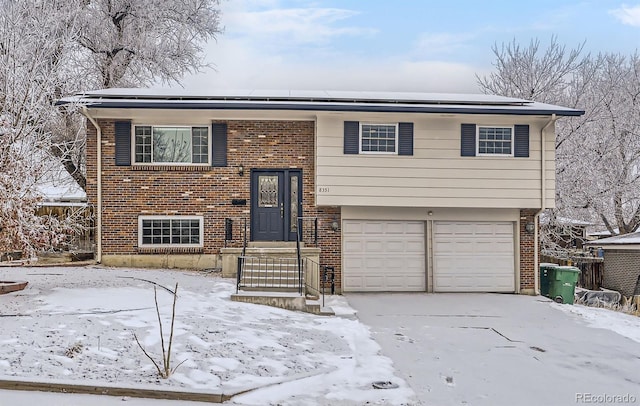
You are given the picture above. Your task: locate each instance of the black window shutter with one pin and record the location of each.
(521, 141)
(219, 144)
(405, 138)
(468, 140)
(123, 143)
(351, 137)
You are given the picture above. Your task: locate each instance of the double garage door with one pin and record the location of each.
(391, 256)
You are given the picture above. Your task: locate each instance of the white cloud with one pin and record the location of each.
(270, 47)
(629, 15)
(442, 43)
(242, 67)
(274, 26)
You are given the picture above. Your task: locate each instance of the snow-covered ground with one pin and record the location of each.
(78, 325)
(624, 324)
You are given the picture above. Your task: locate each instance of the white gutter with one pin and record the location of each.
(543, 196)
(85, 112)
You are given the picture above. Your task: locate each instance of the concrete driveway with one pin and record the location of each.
(492, 349)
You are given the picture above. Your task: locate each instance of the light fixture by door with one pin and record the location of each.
(530, 227)
(335, 225)
(241, 170)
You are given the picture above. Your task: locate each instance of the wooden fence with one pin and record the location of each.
(592, 269)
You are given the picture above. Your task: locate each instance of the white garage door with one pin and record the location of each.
(473, 256)
(383, 256)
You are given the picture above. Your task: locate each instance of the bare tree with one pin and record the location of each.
(53, 48)
(29, 73)
(533, 73)
(598, 154)
(130, 43)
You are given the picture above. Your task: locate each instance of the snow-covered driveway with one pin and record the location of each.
(77, 325)
(492, 349)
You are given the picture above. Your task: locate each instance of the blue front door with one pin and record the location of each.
(276, 199)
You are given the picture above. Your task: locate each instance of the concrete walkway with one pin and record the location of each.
(492, 349)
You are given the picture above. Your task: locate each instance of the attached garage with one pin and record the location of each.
(473, 256)
(383, 256)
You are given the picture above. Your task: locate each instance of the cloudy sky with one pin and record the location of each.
(401, 45)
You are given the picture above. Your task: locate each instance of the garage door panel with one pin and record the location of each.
(384, 255)
(373, 246)
(394, 228)
(474, 257)
(371, 227)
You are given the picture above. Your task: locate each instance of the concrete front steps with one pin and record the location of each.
(283, 300)
(271, 273)
(265, 250)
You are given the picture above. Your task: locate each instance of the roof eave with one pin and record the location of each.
(392, 108)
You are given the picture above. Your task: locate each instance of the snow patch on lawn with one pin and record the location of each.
(78, 325)
(624, 324)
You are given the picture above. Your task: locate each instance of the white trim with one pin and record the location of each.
(133, 145)
(513, 140)
(160, 217)
(360, 151)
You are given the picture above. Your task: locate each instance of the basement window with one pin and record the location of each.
(170, 231)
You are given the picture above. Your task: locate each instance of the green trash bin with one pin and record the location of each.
(547, 270)
(562, 286)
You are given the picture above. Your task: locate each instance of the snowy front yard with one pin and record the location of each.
(77, 325)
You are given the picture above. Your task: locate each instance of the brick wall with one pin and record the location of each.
(157, 190)
(527, 250)
(621, 270)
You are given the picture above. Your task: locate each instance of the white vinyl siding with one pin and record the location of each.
(436, 175)
(473, 256)
(381, 255)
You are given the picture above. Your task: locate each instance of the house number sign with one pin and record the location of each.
(323, 189)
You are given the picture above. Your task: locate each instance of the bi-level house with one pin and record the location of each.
(393, 191)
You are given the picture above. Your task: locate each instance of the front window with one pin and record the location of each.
(171, 145)
(162, 231)
(495, 141)
(379, 138)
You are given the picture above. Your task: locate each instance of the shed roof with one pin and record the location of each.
(625, 239)
(320, 100)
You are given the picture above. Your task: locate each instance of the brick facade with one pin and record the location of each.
(131, 191)
(621, 270)
(527, 251)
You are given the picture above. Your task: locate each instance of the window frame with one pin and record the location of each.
(152, 163)
(141, 218)
(513, 140)
(396, 139)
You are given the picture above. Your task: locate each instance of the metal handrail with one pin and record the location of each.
(315, 228)
(229, 234)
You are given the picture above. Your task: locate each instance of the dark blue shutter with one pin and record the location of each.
(468, 140)
(521, 141)
(351, 137)
(219, 144)
(123, 142)
(405, 138)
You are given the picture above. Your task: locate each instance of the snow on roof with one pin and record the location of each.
(331, 100)
(544, 219)
(631, 238)
(343, 95)
(59, 186)
(602, 233)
